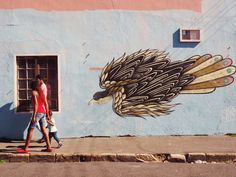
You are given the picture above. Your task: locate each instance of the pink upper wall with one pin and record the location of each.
(72, 5)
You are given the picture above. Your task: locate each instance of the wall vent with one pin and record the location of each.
(189, 35)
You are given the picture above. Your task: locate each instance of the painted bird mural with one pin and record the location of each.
(144, 83)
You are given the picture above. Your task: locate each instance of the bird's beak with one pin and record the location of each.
(92, 101)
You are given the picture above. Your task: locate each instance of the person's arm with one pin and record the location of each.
(35, 104)
(45, 102)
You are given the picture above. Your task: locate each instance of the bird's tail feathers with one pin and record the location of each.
(210, 72)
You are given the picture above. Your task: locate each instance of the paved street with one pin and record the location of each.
(116, 169)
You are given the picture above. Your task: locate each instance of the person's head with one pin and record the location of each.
(50, 113)
(34, 85)
(39, 79)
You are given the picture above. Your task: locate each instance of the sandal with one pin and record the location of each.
(41, 140)
(47, 150)
(59, 145)
(22, 151)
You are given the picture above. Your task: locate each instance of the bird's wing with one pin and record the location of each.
(150, 95)
(128, 69)
(138, 106)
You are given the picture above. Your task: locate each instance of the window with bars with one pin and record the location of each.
(27, 68)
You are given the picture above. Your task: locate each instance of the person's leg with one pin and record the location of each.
(45, 134)
(57, 139)
(50, 134)
(41, 140)
(43, 124)
(28, 138)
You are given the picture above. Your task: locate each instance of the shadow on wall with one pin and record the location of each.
(178, 44)
(12, 125)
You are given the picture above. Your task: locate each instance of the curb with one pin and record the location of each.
(121, 157)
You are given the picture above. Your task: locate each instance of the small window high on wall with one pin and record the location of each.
(27, 68)
(190, 35)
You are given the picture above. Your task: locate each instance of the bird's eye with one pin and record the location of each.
(95, 96)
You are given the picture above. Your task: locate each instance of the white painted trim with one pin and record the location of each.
(15, 80)
(59, 83)
(15, 85)
(189, 40)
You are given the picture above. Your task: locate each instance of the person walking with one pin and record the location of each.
(52, 130)
(42, 90)
(43, 93)
(39, 115)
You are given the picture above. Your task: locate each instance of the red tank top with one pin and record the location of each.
(41, 107)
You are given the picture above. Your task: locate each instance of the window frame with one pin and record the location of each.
(16, 81)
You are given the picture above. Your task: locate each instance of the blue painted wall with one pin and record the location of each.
(85, 39)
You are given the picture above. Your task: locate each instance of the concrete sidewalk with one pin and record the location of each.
(198, 149)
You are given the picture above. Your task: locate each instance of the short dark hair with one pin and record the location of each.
(50, 113)
(39, 77)
(33, 85)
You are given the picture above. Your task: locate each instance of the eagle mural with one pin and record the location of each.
(144, 83)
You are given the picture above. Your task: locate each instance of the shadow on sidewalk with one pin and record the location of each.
(12, 149)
